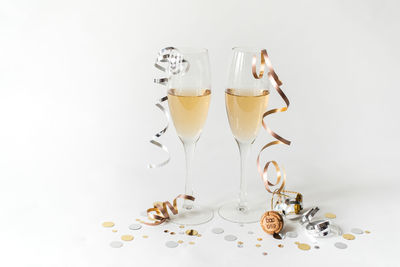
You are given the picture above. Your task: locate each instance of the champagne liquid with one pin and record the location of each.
(189, 112)
(245, 113)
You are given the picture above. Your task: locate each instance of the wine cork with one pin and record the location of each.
(271, 222)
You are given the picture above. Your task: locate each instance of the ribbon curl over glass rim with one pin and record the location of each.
(276, 83)
(159, 213)
(175, 64)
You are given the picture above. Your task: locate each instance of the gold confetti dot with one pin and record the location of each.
(180, 241)
(138, 220)
(259, 239)
(115, 230)
(265, 253)
(127, 237)
(191, 243)
(240, 243)
(367, 232)
(191, 232)
(145, 236)
(172, 233)
(280, 245)
(166, 231)
(181, 226)
(296, 243)
(330, 215)
(198, 235)
(349, 236)
(303, 246)
(108, 224)
(258, 245)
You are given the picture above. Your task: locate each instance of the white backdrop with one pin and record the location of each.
(76, 114)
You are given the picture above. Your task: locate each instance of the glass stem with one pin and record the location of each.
(244, 149)
(189, 152)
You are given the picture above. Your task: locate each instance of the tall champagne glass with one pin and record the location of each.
(246, 99)
(189, 96)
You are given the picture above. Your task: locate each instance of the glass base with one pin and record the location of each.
(231, 212)
(194, 216)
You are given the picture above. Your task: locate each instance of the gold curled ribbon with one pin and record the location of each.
(159, 212)
(175, 64)
(276, 83)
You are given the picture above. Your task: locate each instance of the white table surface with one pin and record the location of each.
(76, 114)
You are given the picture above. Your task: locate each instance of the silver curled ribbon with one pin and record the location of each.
(174, 64)
(318, 228)
(276, 83)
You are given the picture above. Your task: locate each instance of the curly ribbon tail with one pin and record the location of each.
(175, 64)
(276, 83)
(159, 213)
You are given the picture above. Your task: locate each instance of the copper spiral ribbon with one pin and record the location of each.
(276, 83)
(159, 213)
(175, 64)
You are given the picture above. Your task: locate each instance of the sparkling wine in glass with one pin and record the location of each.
(189, 95)
(246, 100)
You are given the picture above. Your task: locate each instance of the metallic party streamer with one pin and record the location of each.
(175, 64)
(276, 83)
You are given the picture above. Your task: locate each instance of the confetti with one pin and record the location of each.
(330, 215)
(217, 230)
(367, 232)
(166, 231)
(291, 234)
(265, 253)
(135, 226)
(349, 236)
(181, 226)
(191, 243)
(259, 239)
(145, 236)
(171, 244)
(108, 224)
(116, 244)
(258, 245)
(191, 232)
(138, 220)
(250, 232)
(230, 238)
(340, 245)
(114, 230)
(280, 246)
(172, 233)
(127, 237)
(316, 247)
(198, 235)
(357, 231)
(240, 243)
(303, 246)
(180, 241)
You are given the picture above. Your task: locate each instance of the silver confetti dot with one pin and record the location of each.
(291, 234)
(171, 244)
(217, 230)
(250, 232)
(357, 231)
(116, 244)
(230, 238)
(316, 247)
(340, 245)
(135, 226)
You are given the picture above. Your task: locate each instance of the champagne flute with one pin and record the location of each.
(189, 99)
(246, 100)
